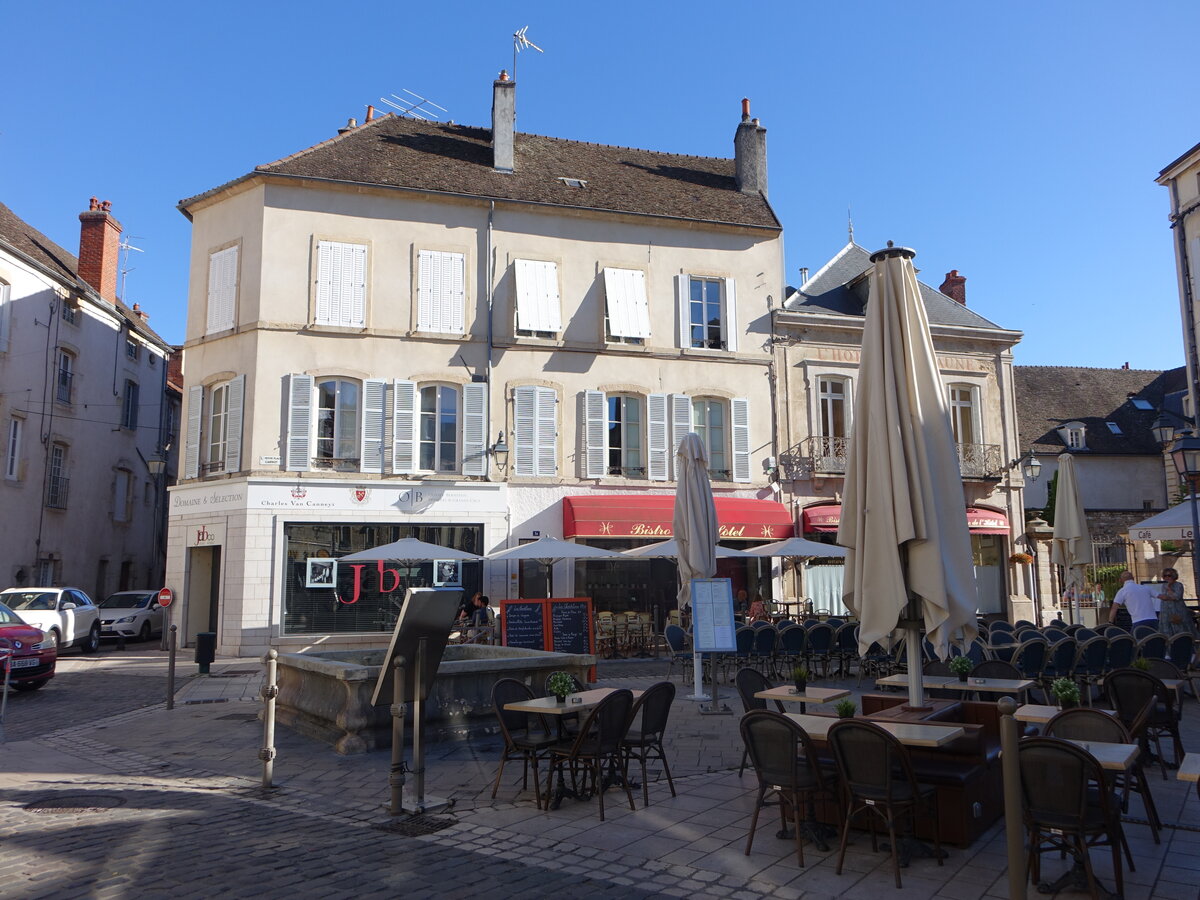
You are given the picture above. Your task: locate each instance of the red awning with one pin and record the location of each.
(649, 516)
(979, 519)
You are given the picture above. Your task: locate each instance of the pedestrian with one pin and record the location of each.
(1173, 615)
(1137, 599)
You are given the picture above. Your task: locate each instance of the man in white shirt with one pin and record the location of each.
(1139, 599)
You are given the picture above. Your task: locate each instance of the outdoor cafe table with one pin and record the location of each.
(810, 695)
(549, 706)
(1038, 714)
(1189, 769)
(911, 734)
(1112, 757)
(952, 683)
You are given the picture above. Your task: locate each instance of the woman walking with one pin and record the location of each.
(1173, 615)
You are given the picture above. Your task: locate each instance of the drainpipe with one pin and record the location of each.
(1177, 223)
(487, 288)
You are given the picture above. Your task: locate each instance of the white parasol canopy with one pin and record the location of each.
(1072, 546)
(1174, 524)
(903, 523)
(409, 550)
(671, 548)
(550, 550)
(797, 547)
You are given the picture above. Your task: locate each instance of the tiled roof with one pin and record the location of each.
(1050, 396)
(26, 239)
(834, 290)
(456, 159)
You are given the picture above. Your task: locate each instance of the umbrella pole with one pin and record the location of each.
(912, 649)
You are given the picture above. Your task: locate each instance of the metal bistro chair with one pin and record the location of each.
(792, 640)
(1181, 650)
(938, 667)
(1099, 726)
(599, 742)
(762, 650)
(1121, 650)
(1089, 664)
(786, 764)
(845, 647)
(877, 662)
(521, 741)
(1147, 708)
(878, 779)
(1068, 807)
(749, 682)
(677, 641)
(1060, 662)
(997, 668)
(1152, 646)
(819, 647)
(644, 738)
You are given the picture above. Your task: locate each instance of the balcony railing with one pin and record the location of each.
(336, 464)
(827, 456)
(980, 460)
(56, 491)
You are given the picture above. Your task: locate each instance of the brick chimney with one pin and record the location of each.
(99, 244)
(750, 154)
(141, 314)
(504, 115)
(955, 286)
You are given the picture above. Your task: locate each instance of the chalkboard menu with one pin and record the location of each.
(570, 625)
(524, 623)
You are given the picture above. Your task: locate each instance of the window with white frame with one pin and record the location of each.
(964, 413)
(535, 431)
(538, 308)
(615, 435)
(707, 313)
(441, 292)
(12, 449)
(708, 421)
(337, 437)
(218, 429)
(626, 311)
(132, 350)
(122, 494)
(129, 405)
(222, 290)
(213, 439)
(66, 376)
(69, 312)
(724, 428)
(833, 399)
(438, 431)
(56, 479)
(5, 312)
(439, 428)
(341, 284)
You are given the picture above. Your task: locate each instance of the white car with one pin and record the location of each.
(131, 614)
(66, 614)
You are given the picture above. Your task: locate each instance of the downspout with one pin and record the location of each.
(487, 287)
(1177, 223)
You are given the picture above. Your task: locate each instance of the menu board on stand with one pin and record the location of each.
(713, 630)
(561, 624)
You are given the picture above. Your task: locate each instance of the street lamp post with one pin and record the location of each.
(1185, 454)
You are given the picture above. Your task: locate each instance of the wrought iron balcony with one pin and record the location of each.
(827, 456)
(56, 491)
(980, 461)
(336, 463)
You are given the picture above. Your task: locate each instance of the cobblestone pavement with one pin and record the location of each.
(188, 820)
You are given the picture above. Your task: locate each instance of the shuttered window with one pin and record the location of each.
(298, 439)
(538, 312)
(121, 492)
(12, 448)
(441, 291)
(341, 284)
(656, 437)
(5, 313)
(195, 415)
(404, 427)
(707, 313)
(535, 431)
(222, 289)
(374, 418)
(438, 429)
(475, 429)
(614, 442)
(627, 313)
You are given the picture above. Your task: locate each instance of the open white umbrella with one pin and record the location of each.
(671, 548)
(797, 548)
(1072, 546)
(408, 550)
(904, 523)
(549, 550)
(1174, 524)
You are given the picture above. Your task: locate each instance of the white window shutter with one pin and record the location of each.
(191, 446)
(404, 427)
(357, 284)
(739, 413)
(299, 424)
(373, 418)
(656, 436)
(325, 283)
(5, 310)
(729, 320)
(682, 296)
(455, 287)
(547, 432)
(625, 301)
(425, 291)
(475, 429)
(524, 430)
(233, 424)
(595, 434)
(441, 293)
(538, 307)
(222, 289)
(681, 421)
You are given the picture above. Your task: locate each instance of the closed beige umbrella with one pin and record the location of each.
(1072, 545)
(904, 521)
(694, 524)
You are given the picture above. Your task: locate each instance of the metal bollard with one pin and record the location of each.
(1014, 828)
(171, 668)
(270, 691)
(396, 774)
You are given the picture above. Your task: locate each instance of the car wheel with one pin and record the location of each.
(92, 642)
(144, 634)
(30, 685)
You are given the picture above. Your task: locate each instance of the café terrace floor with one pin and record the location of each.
(691, 845)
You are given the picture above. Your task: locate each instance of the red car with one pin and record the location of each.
(32, 655)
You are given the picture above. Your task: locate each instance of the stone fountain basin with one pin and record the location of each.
(327, 695)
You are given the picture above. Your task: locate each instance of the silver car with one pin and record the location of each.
(66, 614)
(131, 614)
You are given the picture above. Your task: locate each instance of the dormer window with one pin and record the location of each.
(1073, 435)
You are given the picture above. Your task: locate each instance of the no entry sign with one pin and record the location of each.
(165, 597)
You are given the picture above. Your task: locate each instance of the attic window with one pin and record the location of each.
(573, 182)
(1113, 427)
(1139, 403)
(1072, 435)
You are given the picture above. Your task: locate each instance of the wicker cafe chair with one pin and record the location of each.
(845, 647)
(1147, 708)
(787, 765)
(749, 682)
(878, 779)
(1121, 649)
(818, 647)
(521, 741)
(677, 641)
(599, 742)
(644, 738)
(1068, 806)
(1100, 727)
(1152, 646)
(1090, 657)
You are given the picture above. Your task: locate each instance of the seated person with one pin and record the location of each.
(758, 610)
(481, 620)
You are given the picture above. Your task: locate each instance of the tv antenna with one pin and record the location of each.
(520, 42)
(126, 268)
(415, 108)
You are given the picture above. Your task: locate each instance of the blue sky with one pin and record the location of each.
(1017, 142)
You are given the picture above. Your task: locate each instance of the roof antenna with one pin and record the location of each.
(520, 42)
(415, 108)
(126, 269)
(850, 224)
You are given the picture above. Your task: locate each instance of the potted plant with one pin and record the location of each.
(1142, 663)
(560, 684)
(961, 666)
(801, 675)
(1020, 559)
(845, 709)
(1066, 692)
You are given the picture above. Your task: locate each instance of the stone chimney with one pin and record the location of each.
(750, 154)
(99, 244)
(504, 115)
(955, 286)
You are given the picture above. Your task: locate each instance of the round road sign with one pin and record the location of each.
(165, 597)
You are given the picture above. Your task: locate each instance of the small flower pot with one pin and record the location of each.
(848, 715)
(560, 698)
(801, 685)
(962, 676)
(1067, 704)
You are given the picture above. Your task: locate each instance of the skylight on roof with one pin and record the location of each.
(1139, 403)
(573, 182)
(1113, 427)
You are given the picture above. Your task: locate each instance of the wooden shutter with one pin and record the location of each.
(595, 434)
(222, 289)
(729, 321)
(325, 283)
(739, 414)
(426, 291)
(524, 430)
(656, 437)
(441, 292)
(341, 283)
(681, 421)
(547, 432)
(299, 424)
(625, 301)
(538, 306)
(236, 392)
(475, 429)
(683, 284)
(191, 446)
(374, 414)
(404, 427)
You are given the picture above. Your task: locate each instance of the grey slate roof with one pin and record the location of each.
(27, 240)
(429, 156)
(1049, 396)
(831, 292)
